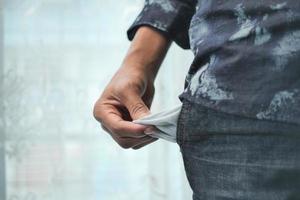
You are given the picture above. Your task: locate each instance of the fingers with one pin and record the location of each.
(115, 115)
(144, 144)
(128, 142)
(125, 133)
(112, 122)
(135, 105)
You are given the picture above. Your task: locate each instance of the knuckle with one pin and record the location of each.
(123, 87)
(124, 144)
(97, 113)
(137, 108)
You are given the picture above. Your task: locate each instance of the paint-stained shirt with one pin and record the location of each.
(247, 53)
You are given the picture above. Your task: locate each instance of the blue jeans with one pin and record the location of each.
(230, 157)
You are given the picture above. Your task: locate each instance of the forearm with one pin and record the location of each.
(147, 51)
(129, 94)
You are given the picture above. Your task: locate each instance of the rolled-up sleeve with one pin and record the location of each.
(171, 17)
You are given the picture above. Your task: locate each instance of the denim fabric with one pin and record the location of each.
(231, 157)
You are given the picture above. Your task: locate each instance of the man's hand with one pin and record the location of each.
(129, 94)
(127, 97)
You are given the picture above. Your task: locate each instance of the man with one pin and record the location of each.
(239, 126)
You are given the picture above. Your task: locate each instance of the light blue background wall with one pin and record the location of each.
(58, 56)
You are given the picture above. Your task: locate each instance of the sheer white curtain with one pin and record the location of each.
(57, 57)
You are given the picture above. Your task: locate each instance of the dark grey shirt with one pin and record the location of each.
(247, 53)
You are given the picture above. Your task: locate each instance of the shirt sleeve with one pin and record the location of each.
(171, 17)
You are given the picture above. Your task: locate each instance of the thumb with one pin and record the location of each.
(136, 106)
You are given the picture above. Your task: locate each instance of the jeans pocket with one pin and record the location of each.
(182, 121)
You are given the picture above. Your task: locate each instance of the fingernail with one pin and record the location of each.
(149, 130)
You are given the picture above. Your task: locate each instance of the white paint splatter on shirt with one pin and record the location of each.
(242, 17)
(165, 5)
(207, 86)
(244, 31)
(287, 46)
(196, 78)
(246, 24)
(262, 36)
(198, 30)
(278, 6)
(280, 102)
(265, 17)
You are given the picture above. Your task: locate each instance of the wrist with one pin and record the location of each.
(134, 62)
(137, 72)
(147, 51)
